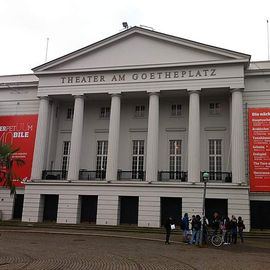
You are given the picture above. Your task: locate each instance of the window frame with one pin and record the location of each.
(104, 112)
(141, 112)
(216, 110)
(177, 112)
(215, 158)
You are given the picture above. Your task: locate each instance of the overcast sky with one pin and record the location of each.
(25, 25)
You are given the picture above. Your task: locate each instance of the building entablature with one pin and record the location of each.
(135, 81)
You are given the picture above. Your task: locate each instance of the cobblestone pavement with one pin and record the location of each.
(98, 250)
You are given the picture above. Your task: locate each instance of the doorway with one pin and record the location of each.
(171, 207)
(216, 205)
(18, 206)
(50, 208)
(129, 206)
(89, 208)
(259, 215)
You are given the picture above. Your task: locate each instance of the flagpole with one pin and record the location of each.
(47, 46)
(268, 40)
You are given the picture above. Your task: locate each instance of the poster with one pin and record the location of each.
(259, 149)
(20, 132)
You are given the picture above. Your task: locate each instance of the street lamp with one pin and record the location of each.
(205, 178)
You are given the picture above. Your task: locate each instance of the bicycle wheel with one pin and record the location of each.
(216, 240)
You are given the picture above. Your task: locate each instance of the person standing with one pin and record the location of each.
(216, 222)
(241, 226)
(227, 227)
(234, 229)
(168, 228)
(192, 240)
(196, 233)
(185, 227)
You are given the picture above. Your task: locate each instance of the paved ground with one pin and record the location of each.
(51, 249)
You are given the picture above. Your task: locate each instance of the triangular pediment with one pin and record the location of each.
(140, 48)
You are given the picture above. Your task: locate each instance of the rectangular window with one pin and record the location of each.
(176, 109)
(70, 113)
(137, 159)
(214, 108)
(65, 157)
(101, 165)
(104, 112)
(215, 159)
(139, 111)
(175, 158)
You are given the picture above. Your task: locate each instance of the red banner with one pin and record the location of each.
(20, 132)
(259, 149)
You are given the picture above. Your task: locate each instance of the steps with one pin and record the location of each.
(263, 234)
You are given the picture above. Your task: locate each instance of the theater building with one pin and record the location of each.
(122, 130)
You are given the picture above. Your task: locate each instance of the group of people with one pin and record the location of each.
(230, 228)
(196, 227)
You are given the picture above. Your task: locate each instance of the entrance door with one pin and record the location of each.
(50, 208)
(89, 209)
(18, 206)
(215, 205)
(171, 207)
(259, 214)
(129, 210)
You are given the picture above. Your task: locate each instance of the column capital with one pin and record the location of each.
(153, 93)
(232, 90)
(192, 91)
(78, 96)
(115, 95)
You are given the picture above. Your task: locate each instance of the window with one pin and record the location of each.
(175, 158)
(215, 159)
(70, 113)
(102, 152)
(176, 109)
(137, 159)
(65, 156)
(214, 108)
(139, 111)
(104, 112)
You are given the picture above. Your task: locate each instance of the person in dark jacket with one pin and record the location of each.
(185, 227)
(216, 222)
(168, 228)
(234, 229)
(241, 226)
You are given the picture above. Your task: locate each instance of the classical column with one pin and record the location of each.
(40, 143)
(76, 139)
(194, 158)
(152, 138)
(113, 143)
(237, 137)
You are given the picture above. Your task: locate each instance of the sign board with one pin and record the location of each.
(259, 149)
(20, 132)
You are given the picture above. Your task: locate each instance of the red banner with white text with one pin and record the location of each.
(20, 132)
(259, 149)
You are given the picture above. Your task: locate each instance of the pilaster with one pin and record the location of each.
(76, 139)
(152, 138)
(237, 137)
(194, 137)
(113, 143)
(41, 137)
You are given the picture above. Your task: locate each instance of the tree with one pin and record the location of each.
(7, 161)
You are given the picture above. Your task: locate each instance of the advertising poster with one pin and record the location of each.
(259, 149)
(20, 132)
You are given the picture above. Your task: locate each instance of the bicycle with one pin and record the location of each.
(215, 238)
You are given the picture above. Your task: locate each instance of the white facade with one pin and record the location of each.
(123, 107)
